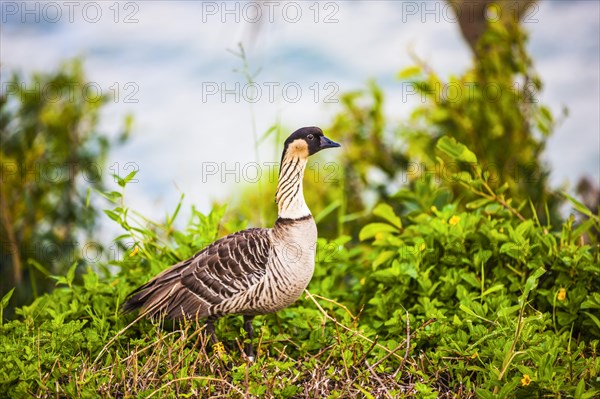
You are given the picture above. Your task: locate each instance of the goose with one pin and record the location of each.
(252, 272)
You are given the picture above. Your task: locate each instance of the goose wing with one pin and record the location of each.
(191, 288)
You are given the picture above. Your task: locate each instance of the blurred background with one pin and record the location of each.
(197, 97)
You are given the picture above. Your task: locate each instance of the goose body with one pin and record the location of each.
(251, 272)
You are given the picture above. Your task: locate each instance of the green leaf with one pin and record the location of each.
(590, 394)
(524, 228)
(71, 274)
(364, 391)
(495, 288)
(409, 72)
(38, 266)
(470, 312)
(328, 209)
(87, 197)
(370, 230)
(112, 196)
(266, 134)
(171, 219)
(120, 180)
(382, 258)
(580, 207)
(6, 298)
(532, 281)
(386, 212)
(471, 279)
(493, 208)
(509, 310)
(484, 394)
(580, 389)
(478, 203)
(546, 113)
(130, 176)
(502, 188)
(513, 250)
(482, 256)
(584, 227)
(508, 388)
(455, 150)
(594, 319)
(113, 215)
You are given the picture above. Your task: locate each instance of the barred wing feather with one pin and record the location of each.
(193, 287)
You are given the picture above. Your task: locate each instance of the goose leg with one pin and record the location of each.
(217, 346)
(248, 349)
(210, 328)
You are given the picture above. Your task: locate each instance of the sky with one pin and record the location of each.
(176, 67)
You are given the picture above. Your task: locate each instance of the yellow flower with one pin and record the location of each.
(562, 294)
(474, 355)
(422, 247)
(136, 249)
(454, 220)
(219, 349)
(526, 380)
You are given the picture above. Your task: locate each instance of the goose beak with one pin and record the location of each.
(326, 143)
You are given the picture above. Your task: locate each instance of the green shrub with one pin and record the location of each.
(52, 154)
(73, 342)
(440, 300)
(508, 296)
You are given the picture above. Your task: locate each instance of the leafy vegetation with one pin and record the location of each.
(52, 153)
(448, 303)
(459, 283)
(510, 297)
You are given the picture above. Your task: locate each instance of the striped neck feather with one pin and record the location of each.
(289, 196)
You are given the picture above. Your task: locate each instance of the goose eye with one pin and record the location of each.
(310, 137)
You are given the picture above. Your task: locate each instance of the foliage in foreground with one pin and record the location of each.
(515, 301)
(446, 303)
